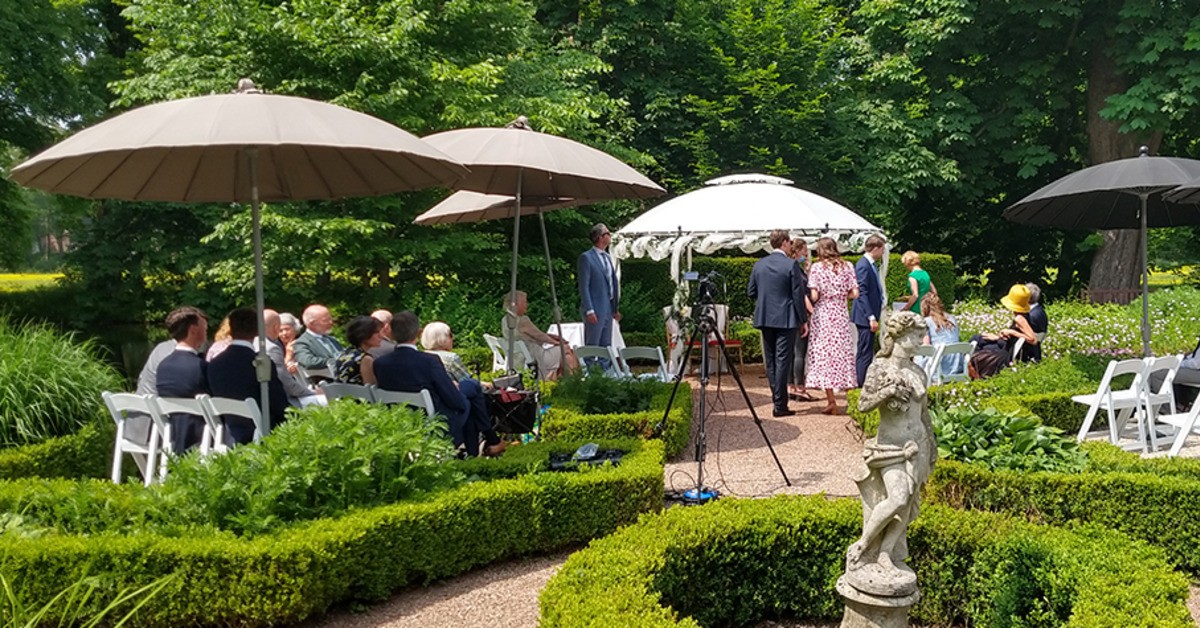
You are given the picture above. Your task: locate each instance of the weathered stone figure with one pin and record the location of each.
(878, 586)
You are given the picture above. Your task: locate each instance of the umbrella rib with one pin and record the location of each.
(306, 151)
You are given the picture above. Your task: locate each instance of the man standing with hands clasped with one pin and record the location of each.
(868, 307)
(778, 285)
(599, 290)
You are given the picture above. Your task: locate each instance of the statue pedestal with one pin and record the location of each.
(864, 610)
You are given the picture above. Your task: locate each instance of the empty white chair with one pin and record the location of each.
(219, 407)
(421, 400)
(930, 359)
(338, 390)
(145, 455)
(1168, 365)
(213, 429)
(646, 353)
(1118, 404)
(965, 349)
(598, 353)
(1184, 424)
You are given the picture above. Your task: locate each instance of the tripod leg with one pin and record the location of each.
(683, 362)
(757, 421)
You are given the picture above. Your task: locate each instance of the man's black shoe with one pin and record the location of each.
(783, 412)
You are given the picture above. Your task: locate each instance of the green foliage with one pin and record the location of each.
(76, 605)
(85, 454)
(50, 384)
(565, 421)
(739, 561)
(597, 394)
(320, 463)
(999, 440)
(361, 555)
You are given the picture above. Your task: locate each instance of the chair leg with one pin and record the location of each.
(1087, 422)
(117, 451)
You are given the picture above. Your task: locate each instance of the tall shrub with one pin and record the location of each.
(50, 383)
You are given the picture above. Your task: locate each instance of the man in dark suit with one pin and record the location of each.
(183, 373)
(232, 375)
(777, 285)
(408, 370)
(599, 290)
(868, 307)
(1038, 322)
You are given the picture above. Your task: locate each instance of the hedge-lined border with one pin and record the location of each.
(561, 423)
(1054, 409)
(1156, 501)
(220, 579)
(84, 454)
(737, 561)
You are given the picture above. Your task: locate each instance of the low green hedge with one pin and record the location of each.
(220, 579)
(84, 454)
(738, 561)
(562, 422)
(1055, 409)
(1152, 500)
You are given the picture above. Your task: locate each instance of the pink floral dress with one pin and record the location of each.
(831, 335)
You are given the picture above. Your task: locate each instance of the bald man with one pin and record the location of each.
(388, 344)
(298, 394)
(315, 348)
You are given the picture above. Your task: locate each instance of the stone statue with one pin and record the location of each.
(878, 586)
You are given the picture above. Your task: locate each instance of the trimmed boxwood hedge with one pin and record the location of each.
(1055, 409)
(1157, 501)
(738, 561)
(220, 579)
(84, 454)
(564, 423)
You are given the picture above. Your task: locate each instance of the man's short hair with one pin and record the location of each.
(311, 313)
(597, 231)
(875, 241)
(406, 327)
(181, 319)
(243, 323)
(778, 237)
(1035, 293)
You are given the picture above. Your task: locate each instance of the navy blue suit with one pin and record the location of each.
(465, 409)
(777, 285)
(183, 374)
(869, 303)
(231, 375)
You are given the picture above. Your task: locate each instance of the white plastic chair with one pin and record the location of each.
(645, 353)
(599, 353)
(931, 360)
(1165, 395)
(1118, 404)
(339, 390)
(247, 408)
(1184, 424)
(965, 349)
(421, 400)
(1020, 344)
(499, 347)
(145, 455)
(309, 374)
(214, 429)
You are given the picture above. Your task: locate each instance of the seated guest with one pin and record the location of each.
(388, 343)
(356, 365)
(315, 348)
(220, 341)
(290, 329)
(299, 395)
(988, 361)
(183, 373)
(408, 370)
(1186, 382)
(148, 377)
(232, 375)
(1037, 321)
(1017, 302)
(546, 349)
(439, 340)
(943, 329)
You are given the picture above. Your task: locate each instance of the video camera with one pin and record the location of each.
(706, 286)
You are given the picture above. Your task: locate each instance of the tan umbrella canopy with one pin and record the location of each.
(245, 146)
(467, 206)
(520, 161)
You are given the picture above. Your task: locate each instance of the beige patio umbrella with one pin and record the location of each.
(520, 161)
(244, 146)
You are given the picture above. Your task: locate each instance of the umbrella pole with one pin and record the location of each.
(1145, 284)
(262, 363)
(553, 292)
(512, 292)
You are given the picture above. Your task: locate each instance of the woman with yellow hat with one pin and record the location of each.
(1017, 302)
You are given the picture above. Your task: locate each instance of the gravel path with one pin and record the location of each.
(816, 452)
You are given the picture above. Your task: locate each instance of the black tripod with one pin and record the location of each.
(705, 324)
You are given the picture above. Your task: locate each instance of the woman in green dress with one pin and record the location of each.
(919, 283)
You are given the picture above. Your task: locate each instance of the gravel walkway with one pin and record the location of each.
(816, 452)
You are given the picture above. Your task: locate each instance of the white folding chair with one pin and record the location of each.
(1118, 404)
(1184, 424)
(1168, 365)
(499, 347)
(599, 353)
(646, 353)
(421, 400)
(220, 407)
(145, 455)
(310, 375)
(1020, 344)
(339, 390)
(214, 430)
(965, 349)
(931, 361)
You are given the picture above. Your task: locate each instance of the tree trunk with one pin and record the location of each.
(1116, 268)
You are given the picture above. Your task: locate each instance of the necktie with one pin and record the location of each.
(608, 271)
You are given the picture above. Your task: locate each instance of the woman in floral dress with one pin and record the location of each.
(832, 285)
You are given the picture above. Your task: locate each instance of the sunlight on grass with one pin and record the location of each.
(17, 282)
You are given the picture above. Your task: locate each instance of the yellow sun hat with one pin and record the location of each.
(1017, 299)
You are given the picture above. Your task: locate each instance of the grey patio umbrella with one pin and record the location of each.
(519, 161)
(1121, 194)
(244, 146)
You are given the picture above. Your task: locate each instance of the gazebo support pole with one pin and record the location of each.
(262, 363)
(553, 291)
(1145, 283)
(512, 292)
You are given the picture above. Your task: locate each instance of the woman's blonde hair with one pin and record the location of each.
(932, 307)
(436, 336)
(910, 259)
(223, 332)
(827, 251)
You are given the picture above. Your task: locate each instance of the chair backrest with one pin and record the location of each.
(966, 349)
(340, 390)
(245, 408)
(1117, 368)
(933, 360)
(120, 405)
(213, 428)
(601, 353)
(309, 374)
(1168, 363)
(421, 400)
(499, 361)
(645, 353)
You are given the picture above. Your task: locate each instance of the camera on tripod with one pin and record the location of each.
(705, 295)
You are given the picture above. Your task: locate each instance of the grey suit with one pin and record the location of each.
(599, 292)
(294, 388)
(314, 352)
(777, 285)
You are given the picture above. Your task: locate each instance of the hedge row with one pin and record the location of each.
(1055, 409)
(1154, 501)
(739, 561)
(84, 454)
(219, 579)
(560, 423)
